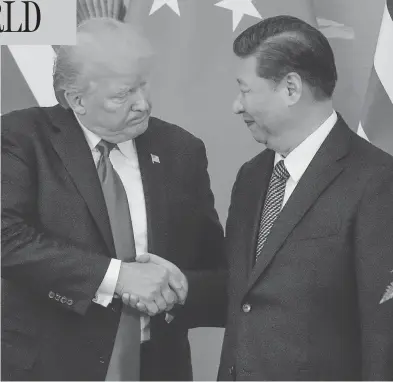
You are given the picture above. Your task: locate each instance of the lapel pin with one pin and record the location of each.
(155, 158)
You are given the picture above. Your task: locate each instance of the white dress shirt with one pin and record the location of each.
(300, 158)
(124, 160)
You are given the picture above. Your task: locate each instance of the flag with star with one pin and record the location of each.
(194, 84)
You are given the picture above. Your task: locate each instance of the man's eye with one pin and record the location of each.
(120, 97)
(243, 91)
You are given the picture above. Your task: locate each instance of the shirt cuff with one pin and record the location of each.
(107, 288)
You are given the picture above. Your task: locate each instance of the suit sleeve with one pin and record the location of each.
(374, 272)
(206, 303)
(46, 266)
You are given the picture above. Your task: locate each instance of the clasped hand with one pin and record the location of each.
(151, 284)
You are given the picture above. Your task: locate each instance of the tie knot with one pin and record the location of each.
(105, 147)
(280, 171)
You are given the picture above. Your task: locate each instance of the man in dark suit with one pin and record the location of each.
(88, 187)
(309, 232)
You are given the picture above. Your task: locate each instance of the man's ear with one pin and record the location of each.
(75, 101)
(293, 88)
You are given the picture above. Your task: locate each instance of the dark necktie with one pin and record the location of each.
(273, 204)
(124, 364)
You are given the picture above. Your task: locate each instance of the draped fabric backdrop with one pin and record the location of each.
(194, 82)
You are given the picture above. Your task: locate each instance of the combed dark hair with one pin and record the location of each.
(285, 44)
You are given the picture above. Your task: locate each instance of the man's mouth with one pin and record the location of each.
(138, 121)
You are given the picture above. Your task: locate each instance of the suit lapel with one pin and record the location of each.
(70, 144)
(152, 164)
(323, 169)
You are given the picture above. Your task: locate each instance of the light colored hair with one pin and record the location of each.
(104, 46)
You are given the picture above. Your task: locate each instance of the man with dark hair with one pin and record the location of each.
(309, 232)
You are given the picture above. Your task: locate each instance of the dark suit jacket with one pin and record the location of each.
(57, 245)
(313, 297)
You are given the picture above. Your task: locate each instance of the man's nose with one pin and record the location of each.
(237, 106)
(142, 102)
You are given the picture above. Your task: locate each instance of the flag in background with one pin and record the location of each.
(194, 81)
(32, 73)
(377, 120)
(15, 91)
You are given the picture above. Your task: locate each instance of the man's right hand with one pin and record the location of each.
(149, 283)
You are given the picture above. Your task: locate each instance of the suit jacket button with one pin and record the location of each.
(70, 302)
(246, 308)
(51, 294)
(63, 300)
(57, 298)
(102, 360)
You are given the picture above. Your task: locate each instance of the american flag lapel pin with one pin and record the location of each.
(155, 158)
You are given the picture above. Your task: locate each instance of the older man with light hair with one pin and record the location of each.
(111, 246)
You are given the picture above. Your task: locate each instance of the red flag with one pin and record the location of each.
(194, 80)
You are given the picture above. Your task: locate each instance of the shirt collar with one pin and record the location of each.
(299, 159)
(127, 148)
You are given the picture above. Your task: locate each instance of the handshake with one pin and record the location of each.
(151, 284)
